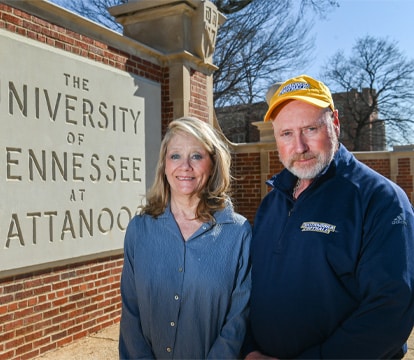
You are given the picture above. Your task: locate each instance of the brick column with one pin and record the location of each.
(185, 33)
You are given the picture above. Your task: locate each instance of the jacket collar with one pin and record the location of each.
(285, 180)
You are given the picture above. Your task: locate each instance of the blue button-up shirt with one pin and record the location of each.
(185, 299)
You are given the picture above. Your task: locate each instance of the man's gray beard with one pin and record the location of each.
(313, 172)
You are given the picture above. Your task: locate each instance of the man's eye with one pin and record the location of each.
(310, 130)
(286, 134)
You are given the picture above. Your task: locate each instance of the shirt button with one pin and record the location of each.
(176, 297)
(168, 349)
(172, 323)
(180, 269)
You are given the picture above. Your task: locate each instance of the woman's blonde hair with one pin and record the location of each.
(215, 195)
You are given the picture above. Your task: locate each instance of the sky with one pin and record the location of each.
(392, 19)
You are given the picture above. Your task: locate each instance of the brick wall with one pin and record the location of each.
(44, 310)
(247, 183)
(167, 106)
(198, 98)
(405, 175)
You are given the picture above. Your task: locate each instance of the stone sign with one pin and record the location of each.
(79, 141)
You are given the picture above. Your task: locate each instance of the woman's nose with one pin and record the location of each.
(185, 163)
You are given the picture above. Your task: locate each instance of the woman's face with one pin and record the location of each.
(188, 165)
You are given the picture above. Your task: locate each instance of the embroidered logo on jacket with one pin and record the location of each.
(400, 219)
(318, 227)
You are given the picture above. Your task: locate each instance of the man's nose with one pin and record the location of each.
(301, 145)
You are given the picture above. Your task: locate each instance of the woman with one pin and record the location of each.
(186, 278)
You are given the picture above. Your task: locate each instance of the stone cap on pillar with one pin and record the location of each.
(172, 26)
(265, 131)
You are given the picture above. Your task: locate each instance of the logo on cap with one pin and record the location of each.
(293, 87)
(302, 88)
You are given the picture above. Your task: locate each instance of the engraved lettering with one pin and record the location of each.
(72, 163)
(74, 111)
(95, 165)
(15, 231)
(52, 112)
(135, 119)
(22, 104)
(123, 226)
(87, 112)
(56, 163)
(10, 162)
(109, 162)
(124, 162)
(67, 226)
(69, 166)
(50, 214)
(84, 222)
(41, 169)
(102, 108)
(101, 227)
(69, 108)
(77, 165)
(135, 169)
(34, 215)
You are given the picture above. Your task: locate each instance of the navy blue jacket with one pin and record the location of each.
(333, 272)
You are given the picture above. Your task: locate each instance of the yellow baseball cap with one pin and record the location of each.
(302, 88)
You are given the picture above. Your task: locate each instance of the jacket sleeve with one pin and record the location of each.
(229, 342)
(132, 344)
(378, 328)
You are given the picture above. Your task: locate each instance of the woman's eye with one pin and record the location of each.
(174, 156)
(196, 156)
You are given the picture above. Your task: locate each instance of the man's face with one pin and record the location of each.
(306, 137)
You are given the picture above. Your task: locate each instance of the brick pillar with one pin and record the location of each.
(185, 34)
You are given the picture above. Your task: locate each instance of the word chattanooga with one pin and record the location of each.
(78, 150)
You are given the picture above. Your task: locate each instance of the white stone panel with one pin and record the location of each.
(79, 141)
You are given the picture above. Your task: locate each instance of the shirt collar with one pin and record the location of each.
(223, 216)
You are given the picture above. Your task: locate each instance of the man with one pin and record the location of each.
(333, 243)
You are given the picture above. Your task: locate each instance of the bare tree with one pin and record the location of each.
(255, 45)
(260, 41)
(231, 6)
(377, 82)
(95, 10)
